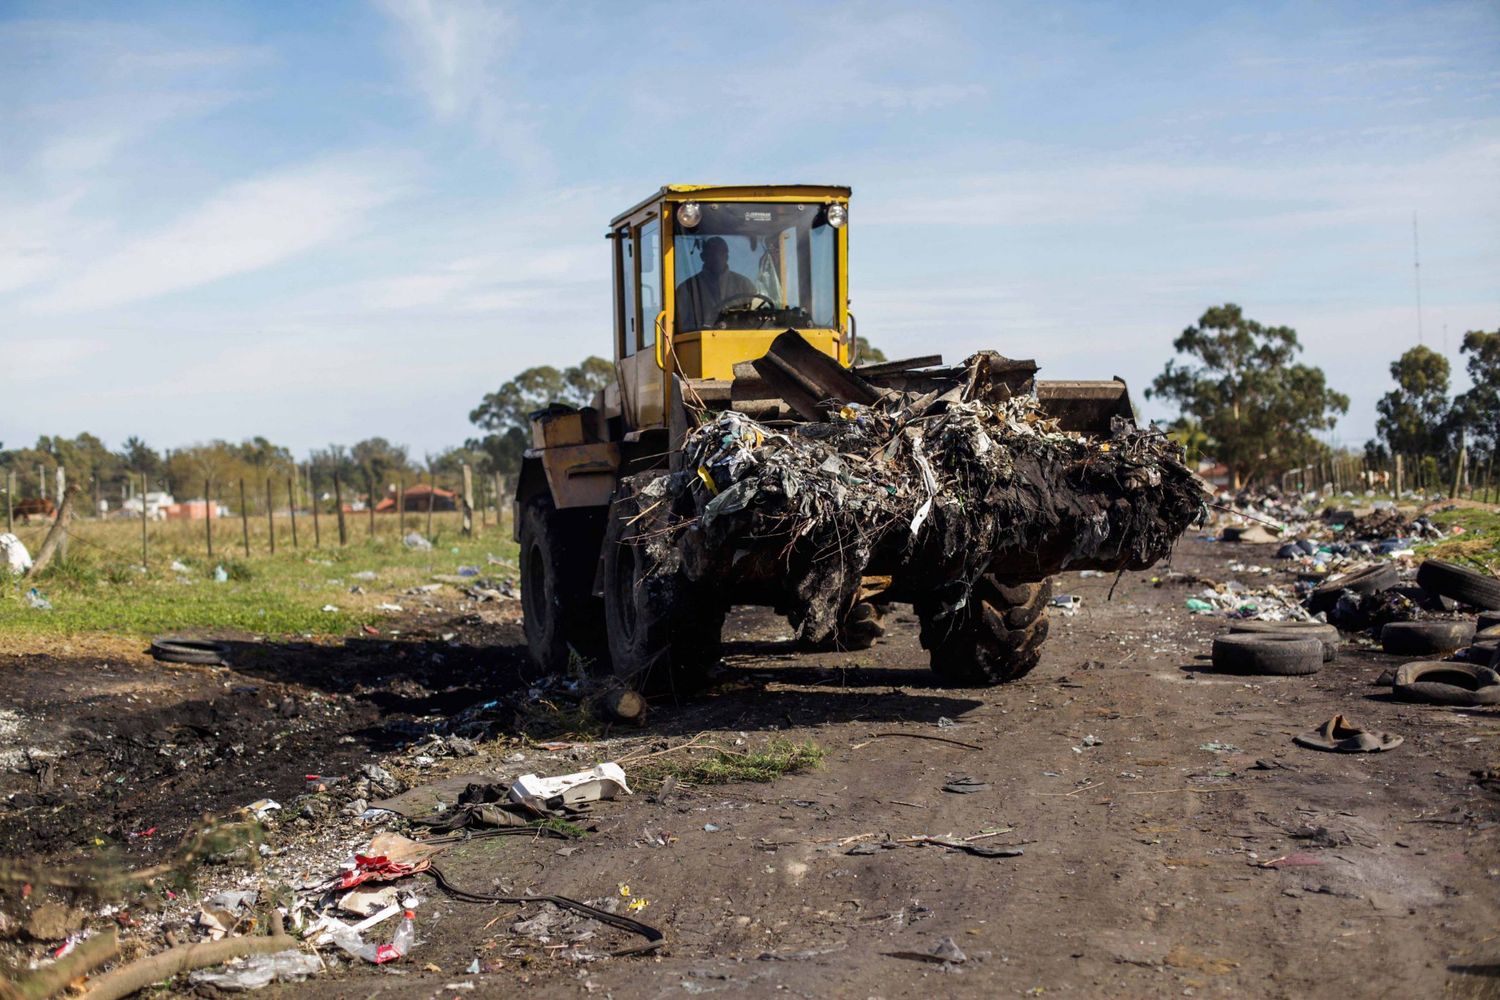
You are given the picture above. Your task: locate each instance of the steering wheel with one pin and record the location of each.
(747, 297)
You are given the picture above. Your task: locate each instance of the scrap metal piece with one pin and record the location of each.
(807, 378)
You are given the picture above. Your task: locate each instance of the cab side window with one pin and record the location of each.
(625, 251)
(649, 251)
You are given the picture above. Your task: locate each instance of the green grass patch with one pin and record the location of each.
(102, 587)
(1478, 547)
(720, 766)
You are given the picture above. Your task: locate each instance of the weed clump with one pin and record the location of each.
(721, 765)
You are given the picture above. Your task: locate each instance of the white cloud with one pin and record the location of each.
(454, 50)
(249, 226)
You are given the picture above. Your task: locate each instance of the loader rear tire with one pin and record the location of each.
(561, 617)
(996, 637)
(664, 631)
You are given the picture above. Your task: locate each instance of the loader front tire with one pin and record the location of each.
(561, 617)
(995, 637)
(664, 631)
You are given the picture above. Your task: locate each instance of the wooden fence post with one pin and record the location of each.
(312, 491)
(401, 507)
(244, 519)
(1458, 466)
(208, 515)
(55, 533)
(10, 496)
(62, 491)
(431, 502)
(338, 502)
(145, 564)
(468, 500)
(370, 501)
(270, 516)
(291, 507)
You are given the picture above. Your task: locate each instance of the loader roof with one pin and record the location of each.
(737, 192)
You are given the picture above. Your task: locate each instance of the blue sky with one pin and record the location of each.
(321, 222)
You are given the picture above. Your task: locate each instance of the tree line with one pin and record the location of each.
(1246, 400)
(1243, 396)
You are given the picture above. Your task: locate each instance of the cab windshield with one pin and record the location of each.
(755, 266)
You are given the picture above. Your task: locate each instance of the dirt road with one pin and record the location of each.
(1175, 842)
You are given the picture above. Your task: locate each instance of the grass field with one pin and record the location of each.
(101, 586)
(1478, 546)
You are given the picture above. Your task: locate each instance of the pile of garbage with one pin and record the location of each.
(937, 487)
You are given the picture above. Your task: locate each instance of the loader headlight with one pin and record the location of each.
(837, 216)
(689, 215)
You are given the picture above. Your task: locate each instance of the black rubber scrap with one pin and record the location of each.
(1469, 586)
(1445, 683)
(1421, 638)
(1326, 634)
(1482, 651)
(1488, 619)
(1370, 580)
(1277, 654)
(177, 649)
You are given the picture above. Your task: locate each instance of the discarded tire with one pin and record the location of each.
(996, 637)
(1268, 653)
(664, 633)
(560, 615)
(1477, 589)
(1448, 684)
(175, 649)
(1481, 651)
(1421, 638)
(1326, 634)
(1488, 619)
(1370, 580)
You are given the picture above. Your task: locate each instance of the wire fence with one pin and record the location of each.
(241, 517)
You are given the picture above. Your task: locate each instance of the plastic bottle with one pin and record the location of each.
(401, 942)
(406, 934)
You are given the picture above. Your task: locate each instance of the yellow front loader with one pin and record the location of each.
(735, 298)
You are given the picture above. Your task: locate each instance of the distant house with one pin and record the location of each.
(157, 505)
(419, 498)
(193, 510)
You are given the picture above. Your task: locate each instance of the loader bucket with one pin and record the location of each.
(1085, 407)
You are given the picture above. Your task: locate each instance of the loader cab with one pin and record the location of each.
(706, 277)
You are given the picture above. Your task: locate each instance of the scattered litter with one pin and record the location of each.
(416, 542)
(262, 808)
(221, 575)
(36, 600)
(1067, 604)
(258, 971)
(964, 785)
(604, 781)
(387, 606)
(1217, 747)
(946, 953)
(330, 607)
(17, 559)
(1340, 735)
